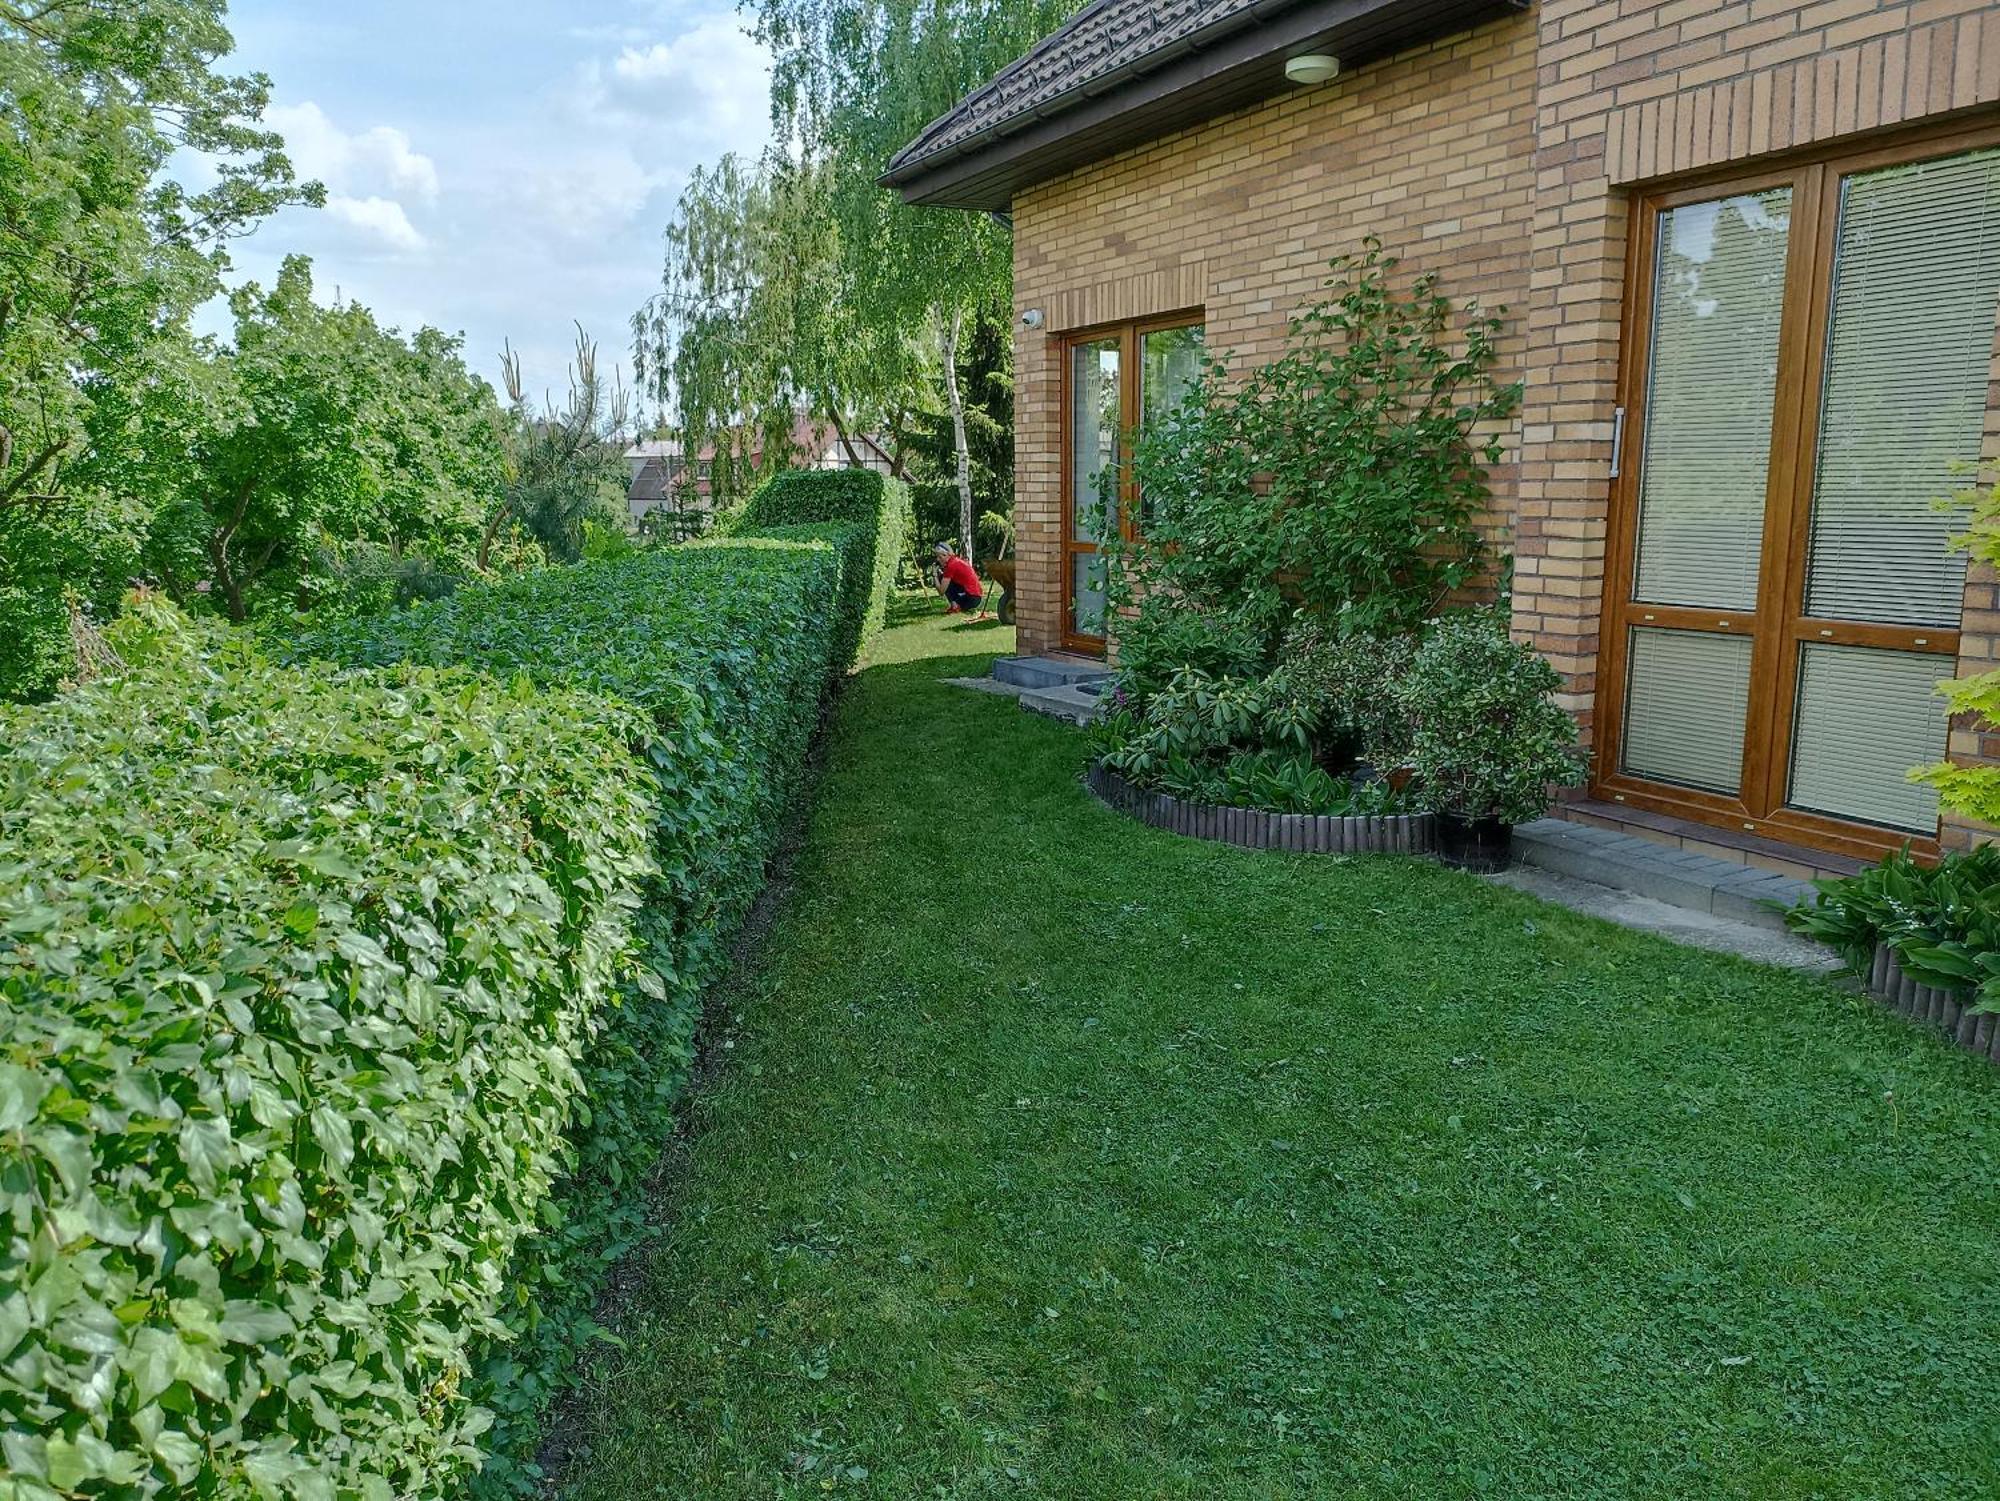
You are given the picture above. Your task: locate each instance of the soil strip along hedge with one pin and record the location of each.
(346, 1007)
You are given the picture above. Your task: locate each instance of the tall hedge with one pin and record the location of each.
(726, 648)
(877, 505)
(345, 1009)
(296, 974)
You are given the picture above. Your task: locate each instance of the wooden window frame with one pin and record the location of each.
(1777, 626)
(1128, 332)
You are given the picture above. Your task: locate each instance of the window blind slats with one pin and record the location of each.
(1718, 301)
(1910, 342)
(1865, 717)
(1686, 698)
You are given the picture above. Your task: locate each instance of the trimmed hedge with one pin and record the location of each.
(296, 972)
(344, 1041)
(877, 506)
(727, 648)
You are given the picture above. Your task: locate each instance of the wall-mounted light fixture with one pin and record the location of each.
(1032, 318)
(1313, 67)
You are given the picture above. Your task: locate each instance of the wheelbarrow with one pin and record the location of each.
(1001, 571)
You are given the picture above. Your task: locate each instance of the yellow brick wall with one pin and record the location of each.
(1635, 91)
(1432, 151)
(1504, 159)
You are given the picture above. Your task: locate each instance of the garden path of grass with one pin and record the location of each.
(1104, 1164)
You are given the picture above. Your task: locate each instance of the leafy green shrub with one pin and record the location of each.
(1487, 736)
(1346, 688)
(298, 974)
(1164, 636)
(1972, 790)
(1239, 742)
(726, 647)
(1346, 477)
(1942, 921)
(878, 505)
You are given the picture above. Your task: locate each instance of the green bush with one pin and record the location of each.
(1942, 921)
(878, 505)
(297, 975)
(1487, 736)
(345, 1010)
(727, 648)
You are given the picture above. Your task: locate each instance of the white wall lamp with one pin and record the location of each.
(1313, 67)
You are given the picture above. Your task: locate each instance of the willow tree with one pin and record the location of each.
(853, 81)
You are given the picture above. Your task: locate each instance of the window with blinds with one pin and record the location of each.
(1718, 302)
(1864, 718)
(1909, 351)
(1817, 347)
(1686, 699)
(1093, 427)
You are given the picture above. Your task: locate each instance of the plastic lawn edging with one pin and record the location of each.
(346, 1003)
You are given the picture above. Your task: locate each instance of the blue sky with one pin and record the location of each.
(502, 168)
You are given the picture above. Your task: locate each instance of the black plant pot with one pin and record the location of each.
(1477, 844)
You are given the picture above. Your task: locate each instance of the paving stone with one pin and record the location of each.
(1681, 878)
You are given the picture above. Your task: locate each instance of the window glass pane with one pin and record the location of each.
(1685, 700)
(1865, 718)
(1086, 594)
(1093, 429)
(1916, 279)
(1719, 292)
(1169, 360)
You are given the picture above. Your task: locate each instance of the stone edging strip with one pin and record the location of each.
(1249, 828)
(1944, 1009)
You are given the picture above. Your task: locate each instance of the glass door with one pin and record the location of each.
(1903, 358)
(1810, 359)
(1115, 382)
(1094, 420)
(1705, 471)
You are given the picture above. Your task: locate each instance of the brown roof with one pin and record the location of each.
(1099, 38)
(1124, 71)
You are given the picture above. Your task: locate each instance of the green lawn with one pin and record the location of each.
(1058, 1156)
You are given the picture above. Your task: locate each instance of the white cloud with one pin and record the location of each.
(379, 160)
(710, 85)
(585, 194)
(381, 220)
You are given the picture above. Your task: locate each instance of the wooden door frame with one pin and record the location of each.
(1779, 626)
(1129, 332)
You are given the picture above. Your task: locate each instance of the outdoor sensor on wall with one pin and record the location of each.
(1032, 318)
(1314, 67)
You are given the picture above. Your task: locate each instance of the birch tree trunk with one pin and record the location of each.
(948, 341)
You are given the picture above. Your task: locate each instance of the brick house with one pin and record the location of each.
(1750, 251)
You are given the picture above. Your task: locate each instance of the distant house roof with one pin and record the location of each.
(1121, 72)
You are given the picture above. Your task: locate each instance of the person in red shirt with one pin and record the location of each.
(958, 582)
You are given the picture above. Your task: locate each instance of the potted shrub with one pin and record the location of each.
(1488, 739)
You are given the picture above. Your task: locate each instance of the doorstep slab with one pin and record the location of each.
(1078, 703)
(1048, 671)
(1643, 867)
(1704, 930)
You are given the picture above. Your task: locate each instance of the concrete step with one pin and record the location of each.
(1048, 672)
(1680, 878)
(1079, 703)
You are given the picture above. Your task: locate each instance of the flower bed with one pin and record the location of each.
(1923, 939)
(1250, 828)
(1975, 1031)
